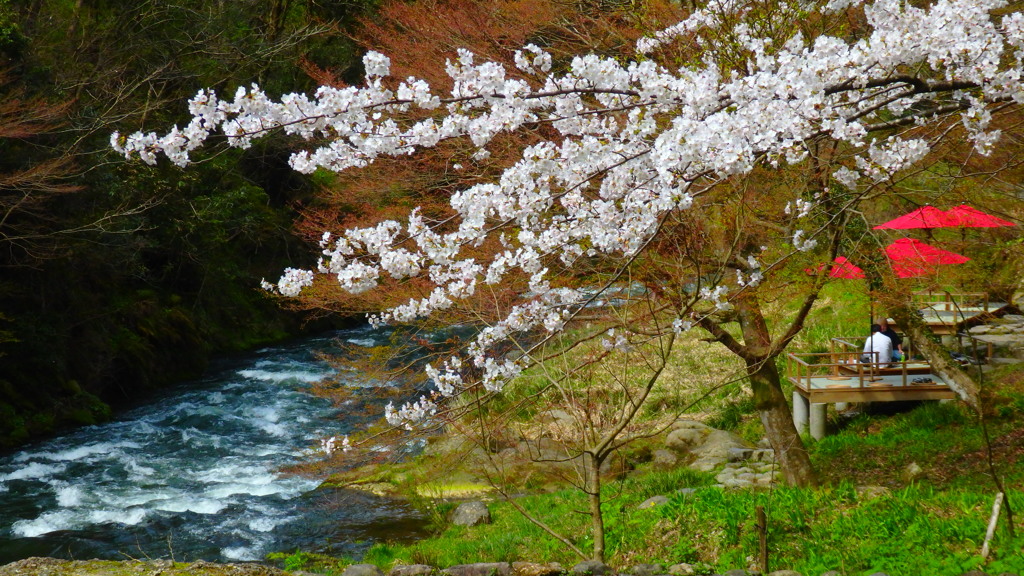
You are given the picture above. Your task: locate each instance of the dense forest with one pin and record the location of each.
(117, 277)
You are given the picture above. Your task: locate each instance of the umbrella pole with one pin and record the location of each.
(875, 360)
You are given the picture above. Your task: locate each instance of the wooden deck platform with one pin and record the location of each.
(838, 376)
(820, 379)
(948, 313)
(883, 388)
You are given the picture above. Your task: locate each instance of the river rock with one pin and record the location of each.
(682, 569)
(535, 569)
(785, 573)
(593, 567)
(554, 416)
(653, 502)
(911, 472)
(832, 573)
(736, 572)
(471, 513)
(479, 569)
(53, 567)
(688, 423)
(362, 570)
(740, 454)
(664, 458)
(412, 570)
(871, 492)
(686, 439)
(646, 570)
(715, 450)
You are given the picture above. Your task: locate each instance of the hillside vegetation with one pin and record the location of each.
(118, 278)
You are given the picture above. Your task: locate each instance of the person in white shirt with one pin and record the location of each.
(877, 348)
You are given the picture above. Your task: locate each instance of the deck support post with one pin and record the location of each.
(801, 409)
(818, 412)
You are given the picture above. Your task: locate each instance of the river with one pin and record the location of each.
(192, 474)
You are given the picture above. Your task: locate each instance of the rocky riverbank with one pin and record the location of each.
(52, 567)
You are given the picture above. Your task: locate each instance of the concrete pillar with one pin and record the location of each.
(818, 412)
(800, 411)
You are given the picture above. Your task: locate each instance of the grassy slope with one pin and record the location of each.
(933, 524)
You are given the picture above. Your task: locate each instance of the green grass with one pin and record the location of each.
(511, 537)
(911, 531)
(933, 525)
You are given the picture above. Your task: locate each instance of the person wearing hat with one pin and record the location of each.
(897, 343)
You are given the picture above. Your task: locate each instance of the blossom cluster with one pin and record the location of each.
(636, 141)
(330, 445)
(410, 413)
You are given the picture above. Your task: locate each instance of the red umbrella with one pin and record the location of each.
(911, 258)
(843, 268)
(969, 217)
(923, 217)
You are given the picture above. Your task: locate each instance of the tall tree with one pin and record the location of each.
(851, 96)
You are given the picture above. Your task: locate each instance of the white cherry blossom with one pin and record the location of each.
(637, 141)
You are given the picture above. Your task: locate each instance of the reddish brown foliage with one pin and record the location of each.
(30, 178)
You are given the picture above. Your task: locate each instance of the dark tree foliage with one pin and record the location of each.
(118, 278)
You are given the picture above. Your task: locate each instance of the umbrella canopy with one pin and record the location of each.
(911, 258)
(841, 268)
(969, 217)
(923, 217)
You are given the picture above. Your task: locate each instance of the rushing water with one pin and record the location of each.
(193, 474)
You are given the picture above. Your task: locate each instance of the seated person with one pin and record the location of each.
(897, 343)
(877, 348)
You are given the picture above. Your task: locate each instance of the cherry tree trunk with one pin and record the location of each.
(594, 496)
(759, 354)
(790, 452)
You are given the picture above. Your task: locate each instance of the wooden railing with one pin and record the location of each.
(844, 362)
(847, 344)
(802, 367)
(952, 301)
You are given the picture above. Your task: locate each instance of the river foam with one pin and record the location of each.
(201, 461)
(195, 473)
